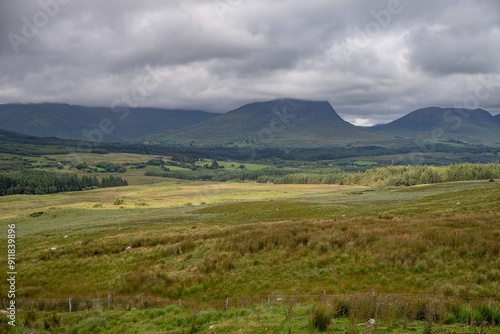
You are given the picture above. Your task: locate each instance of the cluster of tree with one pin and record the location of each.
(213, 165)
(395, 175)
(191, 154)
(221, 175)
(111, 167)
(413, 175)
(155, 162)
(382, 176)
(334, 177)
(42, 182)
(113, 181)
(183, 158)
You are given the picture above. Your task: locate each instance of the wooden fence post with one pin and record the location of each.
(226, 304)
(70, 306)
(324, 296)
(268, 300)
(110, 301)
(180, 303)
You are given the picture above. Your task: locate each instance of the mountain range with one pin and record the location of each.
(118, 124)
(277, 123)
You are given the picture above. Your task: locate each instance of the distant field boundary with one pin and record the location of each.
(406, 302)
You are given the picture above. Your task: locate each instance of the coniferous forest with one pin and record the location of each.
(43, 182)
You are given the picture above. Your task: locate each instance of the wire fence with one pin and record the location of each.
(374, 300)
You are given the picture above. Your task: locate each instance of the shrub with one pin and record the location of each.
(320, 317)
(118, 201)
(30, 318)
(51, 321)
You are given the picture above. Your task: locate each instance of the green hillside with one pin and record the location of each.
(283, 122)
(443, 124)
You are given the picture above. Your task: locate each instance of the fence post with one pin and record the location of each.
(268, 300)
(70, 306)
(226, 304)
(110, 301)
(180, 303)
(324, 296)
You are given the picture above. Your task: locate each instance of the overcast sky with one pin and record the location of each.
(372, 60)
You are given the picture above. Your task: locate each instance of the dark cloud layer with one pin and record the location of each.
(374, 60)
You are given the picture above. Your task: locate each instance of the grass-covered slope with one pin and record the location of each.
(217, 240)
(283, 122)
(443, 124)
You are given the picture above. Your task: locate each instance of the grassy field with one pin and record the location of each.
(289, 318)
(205, 241)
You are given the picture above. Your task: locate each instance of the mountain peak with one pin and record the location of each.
(425, 119)
(294, 108)
(283, 121)
(469, 125)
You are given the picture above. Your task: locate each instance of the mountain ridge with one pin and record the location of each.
(120, 124)
(280, 122)
(277, 122)
(436, 123)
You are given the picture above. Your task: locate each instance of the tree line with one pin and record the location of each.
(381, 176)
(396, 175)
(42, 182)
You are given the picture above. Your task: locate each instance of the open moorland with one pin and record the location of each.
(190, 256)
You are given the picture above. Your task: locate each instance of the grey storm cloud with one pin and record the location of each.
(374, 60)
